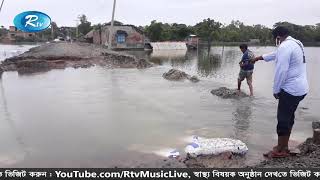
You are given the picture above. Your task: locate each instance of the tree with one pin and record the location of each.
(85, 26)
(154, 31)
(317, 32)
(158, 31)
(50, 33)
(54, 30)
(295, 30)
(179, 32)
(208, 29)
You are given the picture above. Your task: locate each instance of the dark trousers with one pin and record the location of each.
(286, 109)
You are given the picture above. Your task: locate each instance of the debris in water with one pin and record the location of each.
(177, 75)
(226, 93)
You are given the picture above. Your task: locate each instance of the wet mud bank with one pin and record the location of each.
(225, 160)
(65, 55)
(308, 157)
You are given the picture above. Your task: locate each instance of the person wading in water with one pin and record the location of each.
(246, 68)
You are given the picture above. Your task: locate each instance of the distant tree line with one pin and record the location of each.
(208, 30)
(211, 30)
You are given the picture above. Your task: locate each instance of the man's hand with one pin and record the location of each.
(277, 96)
(254, 60)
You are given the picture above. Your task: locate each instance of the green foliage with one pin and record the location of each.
(306, 33)
(158, 31)
(155, 31)
(85, 26)
(208, 29)
(238, 32)
(50, 33)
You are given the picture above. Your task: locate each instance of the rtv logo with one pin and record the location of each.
(32, 21)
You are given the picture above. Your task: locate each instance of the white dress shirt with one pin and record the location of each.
(290, 70)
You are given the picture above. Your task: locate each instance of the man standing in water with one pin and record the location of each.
(246, 67)
(290, 85)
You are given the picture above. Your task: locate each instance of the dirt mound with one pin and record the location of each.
(226, 93)
(225, 160)
(76, 55)
(177, 75)
(308, 158)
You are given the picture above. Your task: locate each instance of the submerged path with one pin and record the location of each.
(63, 55)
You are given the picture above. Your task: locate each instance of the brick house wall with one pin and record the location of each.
(131, 37)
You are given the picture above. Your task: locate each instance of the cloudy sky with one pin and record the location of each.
(142, 12)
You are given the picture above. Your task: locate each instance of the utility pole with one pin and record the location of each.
(112, 23)
(1, 5)
(77, 29)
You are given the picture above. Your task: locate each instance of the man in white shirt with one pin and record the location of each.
(290, 85)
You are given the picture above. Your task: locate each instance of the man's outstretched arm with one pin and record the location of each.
(265, 57)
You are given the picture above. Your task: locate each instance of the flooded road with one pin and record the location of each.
(100, 117)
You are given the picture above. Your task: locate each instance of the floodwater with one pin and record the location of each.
(100, 117)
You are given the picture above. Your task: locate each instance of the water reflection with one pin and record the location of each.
(172, 58)
(242, 116)
(204, 62)
(8, 157)
(231, 55)
(208, 62)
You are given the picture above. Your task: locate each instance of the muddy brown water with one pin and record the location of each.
(100, 117)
